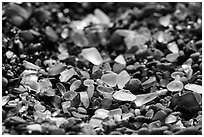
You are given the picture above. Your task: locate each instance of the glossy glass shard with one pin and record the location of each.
(120, 59)
(66, 75)
(56, 69)
(124, 96)
(104, 19)
(165, 20)
(144, 98)
(92, 55)
(170, 119)
(175, 86)
(194, 87)
(122, 78)
(173, 47)
(109, 79)
(172, 57)
(5, 99)
(90, 91)
(29, 65)
(84, 99)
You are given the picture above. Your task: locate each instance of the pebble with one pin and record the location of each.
(160, 115)
(4, 82)
(136, 125)
(150, 114)
(167, 132)
(133, 85)
(142, 119)
(82, 110)
(106, 103)
(137, 112)
(124, 108)
(143, 131)
(130, 69)
(117, 68)
(155, 124)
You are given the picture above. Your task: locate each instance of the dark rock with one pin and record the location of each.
(4, 82)
(133, 85)
(142, 119)
(160, 115)
(130, 69)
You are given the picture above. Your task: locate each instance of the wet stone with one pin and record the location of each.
(124, 108)
(133, 85)
(155, 124)
(159, 115)
(130, 69)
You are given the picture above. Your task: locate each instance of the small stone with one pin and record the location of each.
(133, 85)
(106, 103)
(34, 127)
(92, 55)
(170, 119)
(160, 115)
(87, 129)
(109, 79)
(175, 86)
(137, 112)
(158, 131)
(143, 131)
(124, 108)
(4, 82)
(117, 68)
(142, 119)
(195, 56)
(82, 110)
(137, 125)
(155, 124)
(130, 68)
(122, 78)
(150, 113)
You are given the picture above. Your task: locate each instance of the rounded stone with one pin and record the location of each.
(143, 131)
(150, 113)
(133, 85)
(160, 115)
(106, 103)
(4, 82)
